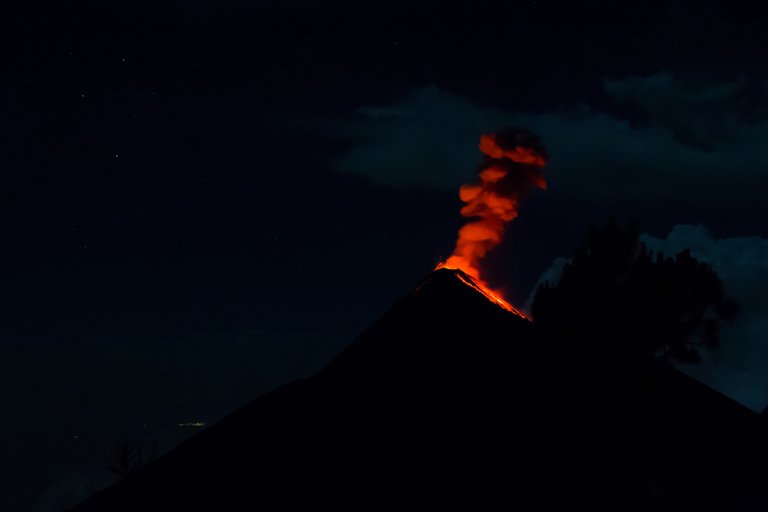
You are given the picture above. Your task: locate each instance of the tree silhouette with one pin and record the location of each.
(618, 294)
(129, 456)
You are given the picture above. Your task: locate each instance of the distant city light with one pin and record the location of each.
(195, 424)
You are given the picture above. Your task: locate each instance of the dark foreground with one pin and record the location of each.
(451, 401)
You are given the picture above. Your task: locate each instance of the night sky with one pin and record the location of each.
(203, 201)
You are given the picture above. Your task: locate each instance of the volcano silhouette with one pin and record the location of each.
(449, 401)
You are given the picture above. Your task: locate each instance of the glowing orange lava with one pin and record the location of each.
(487, 292)
(512, 165)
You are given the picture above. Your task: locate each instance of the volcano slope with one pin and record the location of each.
(448, 400)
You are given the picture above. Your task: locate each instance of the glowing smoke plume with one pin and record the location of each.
(512, 165)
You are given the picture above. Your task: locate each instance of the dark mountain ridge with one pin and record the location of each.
(448, 400)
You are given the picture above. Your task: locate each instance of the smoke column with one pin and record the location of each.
(513, 160)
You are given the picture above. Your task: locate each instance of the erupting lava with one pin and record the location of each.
(512, 165)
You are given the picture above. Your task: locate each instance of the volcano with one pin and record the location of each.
(450, 400)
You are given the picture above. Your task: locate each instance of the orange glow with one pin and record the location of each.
(508, 172)
(491, 295)
(519, 154)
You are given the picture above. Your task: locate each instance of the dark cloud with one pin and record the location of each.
(699, 114)
(427, 139)
(662, 142)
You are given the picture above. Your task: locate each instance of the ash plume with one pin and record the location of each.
(512, 165)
